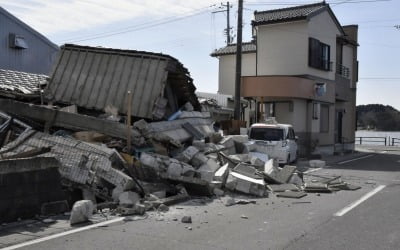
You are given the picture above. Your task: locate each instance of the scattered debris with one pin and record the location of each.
(186, 219)
(101, 162)
(244, 216)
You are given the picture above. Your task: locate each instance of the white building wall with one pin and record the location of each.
(323, 28)
(227, 68)
(347, 59)
(282, 49)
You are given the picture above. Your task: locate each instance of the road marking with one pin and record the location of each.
(50, 237)
(359, 201)
(356, 159)
(312, 170)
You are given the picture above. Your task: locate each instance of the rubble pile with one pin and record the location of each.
(170, 152)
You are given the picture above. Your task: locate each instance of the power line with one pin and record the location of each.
(142, 26)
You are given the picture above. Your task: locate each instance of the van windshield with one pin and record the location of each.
(266, 134)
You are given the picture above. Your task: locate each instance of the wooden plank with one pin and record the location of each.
(67, 120)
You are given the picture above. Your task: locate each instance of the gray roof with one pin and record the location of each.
(288, 14)
(15, 83)
(249, 47)
(95, 78)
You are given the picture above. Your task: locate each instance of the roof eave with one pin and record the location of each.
(286, 20)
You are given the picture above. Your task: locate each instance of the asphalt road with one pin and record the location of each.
(271, 223)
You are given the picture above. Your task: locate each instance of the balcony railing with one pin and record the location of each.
(342, 70)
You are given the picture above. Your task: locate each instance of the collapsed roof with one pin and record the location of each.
(97, 78)
(20, 84)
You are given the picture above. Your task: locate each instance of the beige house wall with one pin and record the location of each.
(227, 67)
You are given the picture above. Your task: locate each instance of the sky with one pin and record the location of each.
(190, 30)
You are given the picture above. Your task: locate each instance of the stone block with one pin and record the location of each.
(81, 211)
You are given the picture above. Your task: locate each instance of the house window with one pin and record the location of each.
(324, 118)
(319, 55)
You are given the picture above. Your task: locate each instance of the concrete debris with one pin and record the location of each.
(282, 187)
(244, 216)
(128, 199)
(218, 192)
(81, 211)
(284, 175)
(245, 184)
(317, 163)
(163, 208)
(186, 219)
(292, 194)
(165, 161)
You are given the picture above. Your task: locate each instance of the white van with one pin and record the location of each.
(277, 140)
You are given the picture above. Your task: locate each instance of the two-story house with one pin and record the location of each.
(300, 68)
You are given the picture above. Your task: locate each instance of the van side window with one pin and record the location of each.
(291, 135)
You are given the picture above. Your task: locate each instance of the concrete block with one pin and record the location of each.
(269, 167)
(174, 169)
(188, 170)
(212, 165)
(199, 144)
(81, 211)
(249, 185)
(186, 219)
(231, 182)
(228, 143)
(189, 153)
(198, 160)
(240, 157)
(149, 161)
(128, 198)
(317, 163)
(206, 173)
(222, 173)
(116, 192)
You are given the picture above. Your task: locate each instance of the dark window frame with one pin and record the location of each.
(319, 54)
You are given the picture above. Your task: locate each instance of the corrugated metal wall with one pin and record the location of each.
(38, 58)
(95, 78)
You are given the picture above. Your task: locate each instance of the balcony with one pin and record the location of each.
(342, 71)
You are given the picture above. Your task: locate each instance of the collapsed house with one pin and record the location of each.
(170, 152)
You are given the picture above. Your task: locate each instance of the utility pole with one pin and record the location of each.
(238, 61)
(228, 27)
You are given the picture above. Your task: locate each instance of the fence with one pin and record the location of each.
(375, 140)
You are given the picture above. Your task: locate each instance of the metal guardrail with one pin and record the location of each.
(369, 139)
(387, 141)
(395, 141)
